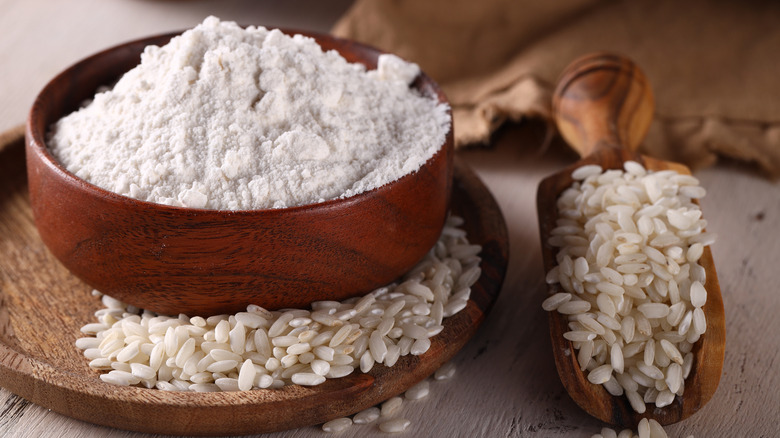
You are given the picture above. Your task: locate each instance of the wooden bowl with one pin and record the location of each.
(183, 260)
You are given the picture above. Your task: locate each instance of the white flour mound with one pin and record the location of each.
(239, 119)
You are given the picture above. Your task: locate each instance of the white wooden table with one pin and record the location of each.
(506, 384)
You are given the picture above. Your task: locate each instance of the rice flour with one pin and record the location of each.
(236, 119)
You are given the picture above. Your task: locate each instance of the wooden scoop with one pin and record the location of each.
(603, 106)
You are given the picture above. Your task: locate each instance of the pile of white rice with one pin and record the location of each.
(269, 349)
(629, 243)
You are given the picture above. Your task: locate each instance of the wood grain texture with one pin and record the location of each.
(43, 307)
(205, 262)
(603, 104)
(603, 100)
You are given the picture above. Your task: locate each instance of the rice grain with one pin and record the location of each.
(551, 303)
(366, 416)
(445, 372)
(307, 379)
(395, 425)
(337, 425)
(391, 406)
(418, 391)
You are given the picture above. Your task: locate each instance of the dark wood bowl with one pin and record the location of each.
(201, 262)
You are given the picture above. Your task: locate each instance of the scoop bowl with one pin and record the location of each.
(202, 262)
(603, 106)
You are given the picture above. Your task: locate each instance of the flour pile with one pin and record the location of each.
(238, 119)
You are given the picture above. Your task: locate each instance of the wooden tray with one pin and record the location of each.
(42, 307)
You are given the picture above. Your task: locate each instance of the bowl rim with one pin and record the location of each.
(36, 138)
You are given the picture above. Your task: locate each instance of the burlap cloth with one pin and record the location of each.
(714, 65)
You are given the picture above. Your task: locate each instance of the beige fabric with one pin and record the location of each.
(714, 65)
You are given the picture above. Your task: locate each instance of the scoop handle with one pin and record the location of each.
(603, 100)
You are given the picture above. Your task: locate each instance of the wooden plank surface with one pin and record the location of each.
(506, 384)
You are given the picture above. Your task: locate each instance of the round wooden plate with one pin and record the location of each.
(42, 307)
